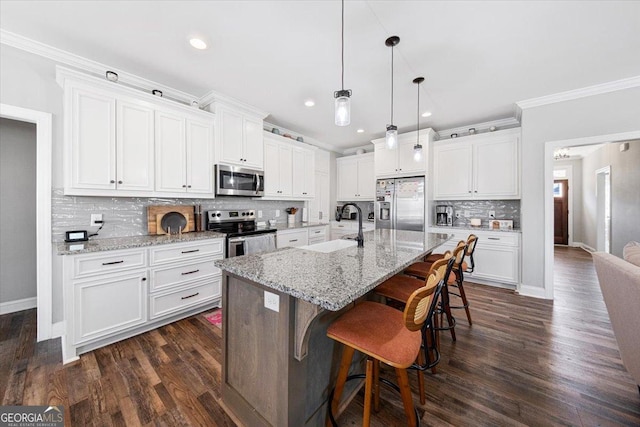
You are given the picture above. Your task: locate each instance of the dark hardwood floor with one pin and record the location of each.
(523, 362)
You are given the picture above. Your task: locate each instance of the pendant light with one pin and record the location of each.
(392, 130)
(343, 97)
(417, 149)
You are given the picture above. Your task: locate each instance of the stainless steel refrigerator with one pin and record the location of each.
(400, 203)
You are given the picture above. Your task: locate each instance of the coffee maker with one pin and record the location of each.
(444, 215)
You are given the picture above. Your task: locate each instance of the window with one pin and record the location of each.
(557, 189)
(559, 173)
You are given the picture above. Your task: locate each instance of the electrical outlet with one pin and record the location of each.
(492, 214)
(457, 214)
(94, 220)
(466, 214)
(259, 214)
(272, 301)
(277, 213)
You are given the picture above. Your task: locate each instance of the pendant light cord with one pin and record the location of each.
(418, 118)
(342, 41)
(391, 84)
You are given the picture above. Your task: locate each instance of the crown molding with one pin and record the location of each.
(267, 127)
(509, 122)
(93, 67)
(584, 92)
(352, 150)
(211, 98)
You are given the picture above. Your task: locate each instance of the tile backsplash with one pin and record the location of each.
(127, 216)
(504, 209)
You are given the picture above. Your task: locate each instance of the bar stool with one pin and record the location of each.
(385, 335)
(421, 270)
(400, 287)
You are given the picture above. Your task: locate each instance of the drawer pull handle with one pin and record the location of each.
(294, 240)
(317, 232)
(190, 272)
(191, 296)
(493, 238)
(112, 262)
(191, 251)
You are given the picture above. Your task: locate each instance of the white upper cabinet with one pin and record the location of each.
(485, 166)
(92, 128)
(400, 161)
(240, 138)
(355, 176)
(134, 146)
(303, 176)
(120, 141)
(288, 169)
(184, 155)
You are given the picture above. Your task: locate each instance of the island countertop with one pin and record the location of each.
(334, 280)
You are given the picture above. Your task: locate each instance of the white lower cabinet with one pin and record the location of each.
(497, 255)
(292, 238)
(318, 234)
(339, 229)
(113, 295)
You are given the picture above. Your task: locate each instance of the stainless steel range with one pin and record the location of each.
(243, 236)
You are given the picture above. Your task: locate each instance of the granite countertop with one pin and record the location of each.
(334, 280)
(131, 242)
(480, 228)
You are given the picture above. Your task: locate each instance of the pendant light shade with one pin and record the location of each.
(343, 97)
(392, 130)
(417, 149)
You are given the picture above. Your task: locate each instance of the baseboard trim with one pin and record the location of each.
(18, 305)
(584, 246)
(532, 291)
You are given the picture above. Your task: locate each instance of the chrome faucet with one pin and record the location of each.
(360, 238)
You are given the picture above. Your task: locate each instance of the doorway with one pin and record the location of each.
(43, 122)
(561, 212)
(603, 209)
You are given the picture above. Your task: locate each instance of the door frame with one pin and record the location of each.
(44, 139)
(606, 170)
(549, 148)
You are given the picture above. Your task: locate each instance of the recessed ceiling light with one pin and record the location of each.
(309, 103)
(360, 130)
(426, 114)
(198, 44)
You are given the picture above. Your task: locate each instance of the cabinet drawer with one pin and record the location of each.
(108, 262)
(168, 303)
(178, 275)
(186, 251)
(292, 238)
(506, 239)
(317, 232)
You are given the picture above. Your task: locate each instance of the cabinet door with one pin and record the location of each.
(497, 263)
(496, 171)
(406, 160)
(298, 173)
(231, 133)
(452, 171)
(347, 176)
(170, 153)
(253, 144)
(134, 146)
(108, 305)
(366, 178)
(285, 153)
(271, 169)
(93, 140)
(199, 157)
(309, 175)
(319, 204)
(385, 160)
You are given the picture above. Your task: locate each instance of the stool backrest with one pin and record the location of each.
(458, 254)
(418, 304)
(472, 240)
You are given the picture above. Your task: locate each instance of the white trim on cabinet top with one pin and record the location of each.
(501, 124)
(29, 45)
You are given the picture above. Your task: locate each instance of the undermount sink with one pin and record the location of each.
(331, 246)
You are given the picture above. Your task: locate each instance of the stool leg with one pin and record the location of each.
(366, 419)
(436, 325)
(407, 399)
(447, 309)
(376, 385)
(345, 364)
(421, 378)
(465, 303)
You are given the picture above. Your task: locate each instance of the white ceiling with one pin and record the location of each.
(478, 57)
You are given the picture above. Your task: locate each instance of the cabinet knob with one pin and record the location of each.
(469, 191)
(119, 182)
(184, 185)
(188, 186)
(144, 279)
(476, 191)
(112, 181)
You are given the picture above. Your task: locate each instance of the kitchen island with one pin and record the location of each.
(278, 362)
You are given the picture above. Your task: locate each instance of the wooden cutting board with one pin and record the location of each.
(155, 214)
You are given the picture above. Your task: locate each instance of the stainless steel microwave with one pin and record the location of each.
(236, 181)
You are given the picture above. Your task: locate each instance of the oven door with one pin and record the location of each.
(235, 181)
(246, 245)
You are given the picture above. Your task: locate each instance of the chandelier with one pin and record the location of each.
(561, 153)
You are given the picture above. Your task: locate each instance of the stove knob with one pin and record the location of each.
(251, 213)
(218, 214)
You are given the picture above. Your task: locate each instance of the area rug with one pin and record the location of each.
(215, 317)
